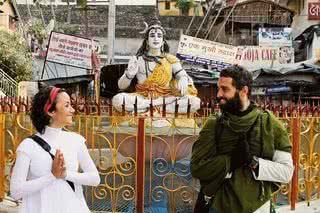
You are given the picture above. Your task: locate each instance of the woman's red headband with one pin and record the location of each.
(53, 94)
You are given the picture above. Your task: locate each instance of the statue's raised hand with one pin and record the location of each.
(132, 67)
(183, 85)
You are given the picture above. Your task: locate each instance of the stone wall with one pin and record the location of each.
(129, 20)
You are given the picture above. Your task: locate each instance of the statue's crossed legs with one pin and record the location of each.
(143, 103)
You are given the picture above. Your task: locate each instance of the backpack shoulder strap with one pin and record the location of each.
(47, 148)
(43, 144)
(218, 129)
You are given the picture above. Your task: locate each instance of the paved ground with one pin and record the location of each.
(8, 206)
(302, 207)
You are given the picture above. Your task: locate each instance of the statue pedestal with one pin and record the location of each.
(166, 147)
(168, 143)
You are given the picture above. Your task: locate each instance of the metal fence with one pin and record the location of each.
(146, 169)
(89, 106)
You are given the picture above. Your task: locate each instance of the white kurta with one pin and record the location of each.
(33, 181)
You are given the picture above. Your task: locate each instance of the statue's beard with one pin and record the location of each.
(231, 105)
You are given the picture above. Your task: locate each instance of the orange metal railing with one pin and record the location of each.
(131, 152)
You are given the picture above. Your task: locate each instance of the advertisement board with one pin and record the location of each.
(200, 51)
(219, 56)
(275, 37)
(255, 56)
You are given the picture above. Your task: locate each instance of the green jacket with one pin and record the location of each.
(210, 162)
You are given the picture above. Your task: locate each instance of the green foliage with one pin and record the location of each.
(15, 56)
(38, 30)
(82, 3)
(184, 5)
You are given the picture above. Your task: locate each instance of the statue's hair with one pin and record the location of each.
(143, 48)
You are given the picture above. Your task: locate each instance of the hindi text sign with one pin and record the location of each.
(70, 50)
(200, 51)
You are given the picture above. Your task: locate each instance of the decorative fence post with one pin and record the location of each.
(2, 156)
(295, 157)
(140, 166)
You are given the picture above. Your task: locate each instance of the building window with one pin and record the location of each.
(167, 5)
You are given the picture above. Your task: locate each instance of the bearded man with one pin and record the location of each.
(240, 154)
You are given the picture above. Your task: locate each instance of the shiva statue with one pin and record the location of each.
(161, 78)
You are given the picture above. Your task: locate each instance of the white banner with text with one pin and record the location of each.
(200, 51)
(70, 50)
(218, 55)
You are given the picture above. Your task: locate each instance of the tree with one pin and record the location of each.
(184, 5)
(15, 56)
(37, 29)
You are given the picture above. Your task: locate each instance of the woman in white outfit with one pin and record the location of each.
(42, 182)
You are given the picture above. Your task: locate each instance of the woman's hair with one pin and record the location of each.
(38, 116)
(143, 48)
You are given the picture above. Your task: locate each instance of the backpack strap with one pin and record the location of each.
(218, 130)
(43, 144)
(47, 148)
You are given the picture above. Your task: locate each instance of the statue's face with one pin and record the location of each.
(155, 39)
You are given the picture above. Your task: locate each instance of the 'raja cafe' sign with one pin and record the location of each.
(251, 56)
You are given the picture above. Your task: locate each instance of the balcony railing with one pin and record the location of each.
(7, 84)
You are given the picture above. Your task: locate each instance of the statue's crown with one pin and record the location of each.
(154, 24)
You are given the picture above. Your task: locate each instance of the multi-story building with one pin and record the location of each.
(171, 8)
(301, 20)
(239, 24)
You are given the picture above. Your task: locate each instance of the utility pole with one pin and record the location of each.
(111, 30)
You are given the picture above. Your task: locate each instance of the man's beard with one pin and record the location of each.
(232, 105)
